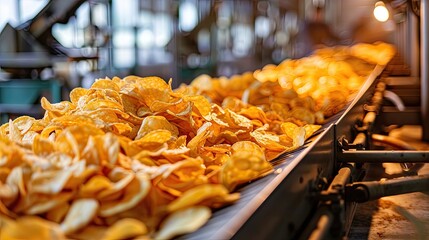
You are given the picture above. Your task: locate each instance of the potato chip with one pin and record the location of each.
(49, 182)
(158, 136)
(16, 178)
(196, 195)
(105, 84)
(181, 176)
(95, 185)
(153, 88)
(43, 203)
(121, 179)
(247, 162)
(202, 82)
(152, 123)
(267, 140)
(108, 148)
(174, 104)
(89, 232)
(133, 194)
(80, 176)
(14, 132)
(8, 191)
(77, 93)
(310, 129)
(237, 120)
(31, 227)
(81, 212)
(183, 221)
(58, 213)
(58, 109)
(254, 113)
(73, 139)
(202, 134)
(201, 104)
(124, 229)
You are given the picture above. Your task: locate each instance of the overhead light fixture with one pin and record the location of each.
(380, 12)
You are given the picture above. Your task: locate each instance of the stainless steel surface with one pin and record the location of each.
(413, 43)
(355, 112)
(375, 156)
(424, 66)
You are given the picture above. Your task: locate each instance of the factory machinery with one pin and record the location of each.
(314, 190)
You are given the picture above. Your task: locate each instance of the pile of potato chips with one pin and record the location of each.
(132, 158)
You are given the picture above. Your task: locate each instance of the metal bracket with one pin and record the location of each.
(344, 144)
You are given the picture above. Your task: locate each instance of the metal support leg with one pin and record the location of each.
(424, 67)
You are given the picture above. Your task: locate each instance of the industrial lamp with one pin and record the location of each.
(380, 12)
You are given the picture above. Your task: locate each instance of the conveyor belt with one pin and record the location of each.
(277, 205)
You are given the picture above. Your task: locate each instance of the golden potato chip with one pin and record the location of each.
(183, 221)
(152, 123)
(8, 191)
(196, 195)
(201, 104)
(58, 109)
(105, 84)
(237, 120)
(219, 148)
(6, 212)
(77, 93)
(233, 103)
(176, 153)
(303, 114)
(16, 178)
(95, 185)
(182, 111)
(73, 139)
(81, 212)
(49, 182)
(289, 128)
(310, 129)
(202, 134)
(133, 194)
(254, 113)
(153, 88)
(24, 123)
(99, 103)
(58, 213)
(121, 179)
(80, 176)
(125, 228)
(89, 232)
(107, 148)
(202, 82)
(267, 140)
(44, 203)
(156, 137)
(175, 105)
(181, 176)
(14, 132)
(31, 227)
(246, 163)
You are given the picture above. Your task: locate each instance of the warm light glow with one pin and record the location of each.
(380, 12)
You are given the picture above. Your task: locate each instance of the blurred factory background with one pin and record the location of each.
(49, 47)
